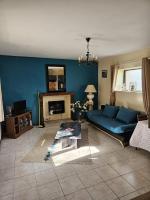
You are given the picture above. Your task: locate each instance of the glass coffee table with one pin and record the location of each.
(67, 137)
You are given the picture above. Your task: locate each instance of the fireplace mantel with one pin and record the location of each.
(45, 97)
(56, 93)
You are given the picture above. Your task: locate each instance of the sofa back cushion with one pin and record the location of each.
(127, 115)
(110, 111)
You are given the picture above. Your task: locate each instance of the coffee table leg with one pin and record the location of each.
(69, 143)
(75, 143)
(65, 142)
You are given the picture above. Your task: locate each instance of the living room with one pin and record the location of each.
(100, 51)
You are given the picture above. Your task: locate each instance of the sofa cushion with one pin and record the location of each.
(114, 126)
(94, 112)
(110, 111)
(127, 115)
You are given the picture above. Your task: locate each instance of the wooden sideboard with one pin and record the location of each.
(18, 124)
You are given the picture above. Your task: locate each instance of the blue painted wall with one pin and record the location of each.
(22, 77)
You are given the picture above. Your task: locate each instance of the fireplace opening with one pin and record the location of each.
(56, 107)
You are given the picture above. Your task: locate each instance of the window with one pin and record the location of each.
(132, 79)
(129, 80)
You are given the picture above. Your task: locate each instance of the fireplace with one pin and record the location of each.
(56, 107)
(56, 112)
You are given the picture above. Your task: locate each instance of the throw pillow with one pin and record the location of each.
(127, 115)
(110, 111)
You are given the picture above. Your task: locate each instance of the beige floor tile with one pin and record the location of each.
(64, 171)
(90, 178)
(71, 184)
(7, 197)
(60, 198)
(136, 180)
(127, 153)
(122, 167)
(101, 192)
(120, 187)
(42, 166)
(7, 142)
(7, 150)
(130, 196)
(7, 161)
(46, 176)
(50, 191)
(7, 174)
(106, 153)
(23, 146)
(6, 188)
(145, 172)
(19, 159)
(84, 167)
(98, 160)
(111, 158)
(144, 190)
(105, 148)
(139, 163)
(79, 195)
(25, 182)
(29, 194)
(25, 169)
(106, 172)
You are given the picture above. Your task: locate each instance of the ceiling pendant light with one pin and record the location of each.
(88, 58)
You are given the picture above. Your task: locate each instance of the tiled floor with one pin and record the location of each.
(115, 173)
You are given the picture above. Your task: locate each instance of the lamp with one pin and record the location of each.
(88, 57)
(90, 89)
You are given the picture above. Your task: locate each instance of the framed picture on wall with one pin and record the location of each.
(104, 73)
(56, 78)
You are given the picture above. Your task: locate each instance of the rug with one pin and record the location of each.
(82, 155)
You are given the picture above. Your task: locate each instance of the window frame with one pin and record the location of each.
(124, 75)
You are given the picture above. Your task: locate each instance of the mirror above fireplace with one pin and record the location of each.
(56, 78)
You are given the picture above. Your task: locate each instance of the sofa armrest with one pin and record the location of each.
(129, 127)
(141, 117)
(102, 107)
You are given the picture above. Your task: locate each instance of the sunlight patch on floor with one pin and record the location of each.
(82, 154)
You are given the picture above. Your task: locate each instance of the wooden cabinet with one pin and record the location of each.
(18, 124)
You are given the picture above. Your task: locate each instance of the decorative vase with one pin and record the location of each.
(77, 116)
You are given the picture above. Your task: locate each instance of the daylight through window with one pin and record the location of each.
(132, 79)
(129, 80)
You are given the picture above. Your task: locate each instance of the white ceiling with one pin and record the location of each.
(57, 28)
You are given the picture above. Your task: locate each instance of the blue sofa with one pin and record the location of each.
(119, 122)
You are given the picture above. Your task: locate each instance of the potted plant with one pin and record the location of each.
(78, 109)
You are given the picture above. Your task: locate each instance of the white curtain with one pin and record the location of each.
(1, 105)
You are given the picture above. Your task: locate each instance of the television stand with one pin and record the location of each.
(18, 124)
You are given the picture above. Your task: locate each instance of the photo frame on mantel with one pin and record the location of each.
(56, 78)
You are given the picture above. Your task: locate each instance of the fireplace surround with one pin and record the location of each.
(46, 114)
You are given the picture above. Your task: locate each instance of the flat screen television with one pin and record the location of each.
(19, 107)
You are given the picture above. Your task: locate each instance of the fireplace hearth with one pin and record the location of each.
(56, 107)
